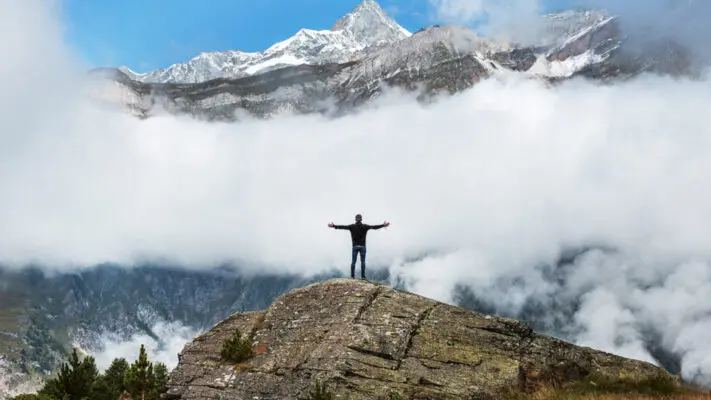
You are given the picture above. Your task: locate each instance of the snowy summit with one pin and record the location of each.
(366, 27)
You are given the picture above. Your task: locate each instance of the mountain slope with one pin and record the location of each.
(367, 26)
(43, 315)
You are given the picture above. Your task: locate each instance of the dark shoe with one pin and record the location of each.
(363, 278)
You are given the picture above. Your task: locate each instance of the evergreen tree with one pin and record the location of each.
(110, 385)
(160, 371)
(139, 380)
(74, 381)
(79, 380)
(30, 397)
(101, 390)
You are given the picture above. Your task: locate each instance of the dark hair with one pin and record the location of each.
(359, 217)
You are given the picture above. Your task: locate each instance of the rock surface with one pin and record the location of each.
(368, 341)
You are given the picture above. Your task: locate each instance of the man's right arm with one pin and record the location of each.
(332, 225)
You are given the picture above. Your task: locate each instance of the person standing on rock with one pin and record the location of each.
(358, 232)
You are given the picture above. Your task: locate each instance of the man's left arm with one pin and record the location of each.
(383, 225)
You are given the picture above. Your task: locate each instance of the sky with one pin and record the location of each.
(149, 34)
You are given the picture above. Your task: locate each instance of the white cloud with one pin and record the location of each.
(515, 20)
(172, 338)
(459, 10)
(494, 182)
(643, 21)
(608, 325)
(646, 21)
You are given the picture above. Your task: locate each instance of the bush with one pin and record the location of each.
(320, 393)
(236, 349)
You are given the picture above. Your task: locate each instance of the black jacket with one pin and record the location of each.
(358, 231)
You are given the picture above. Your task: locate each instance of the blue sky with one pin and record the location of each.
(150, 34)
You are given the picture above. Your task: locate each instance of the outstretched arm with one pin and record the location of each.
(332, 225)
(383, 225)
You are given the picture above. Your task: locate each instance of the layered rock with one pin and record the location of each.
(368, 341)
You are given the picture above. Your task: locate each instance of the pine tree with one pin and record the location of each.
(139, 378)
(110, 385)
(74, 381)
(79, 380)
(160, 372)
(31, 397)
(236, 349)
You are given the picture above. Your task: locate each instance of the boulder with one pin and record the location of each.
(363, 340)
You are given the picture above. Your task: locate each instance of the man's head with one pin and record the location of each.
(359, 218)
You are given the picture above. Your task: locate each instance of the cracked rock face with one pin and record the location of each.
(368, 341)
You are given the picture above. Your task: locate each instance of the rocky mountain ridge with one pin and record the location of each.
(368, 341)
(366, 27)
(320, 75)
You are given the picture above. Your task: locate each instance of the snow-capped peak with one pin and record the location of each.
(367, 26)
(131, 74)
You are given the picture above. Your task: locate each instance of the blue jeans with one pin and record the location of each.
(356, 250)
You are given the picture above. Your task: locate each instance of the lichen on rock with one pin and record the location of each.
(368, 341)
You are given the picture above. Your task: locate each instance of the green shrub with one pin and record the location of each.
(320, 393)
(236, 349)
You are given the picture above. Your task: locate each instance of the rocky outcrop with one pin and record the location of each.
(368, 341)
(14, 382)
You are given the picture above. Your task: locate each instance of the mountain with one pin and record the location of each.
(44, 314)
(366, 27)
(367, 341)
(103, 308)
(334, 72)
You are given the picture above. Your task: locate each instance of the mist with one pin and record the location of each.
(172, 338)
(483, 187)
(645, 21)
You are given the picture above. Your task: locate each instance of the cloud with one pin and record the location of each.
(515, 20)
(172, 338)
(484, 189)
(643, 21)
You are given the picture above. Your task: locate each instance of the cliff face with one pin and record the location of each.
(368, 341)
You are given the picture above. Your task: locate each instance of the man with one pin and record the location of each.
(358, 232)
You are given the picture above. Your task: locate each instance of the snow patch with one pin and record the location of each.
(586, 30)
(567, 67)
(367, 26)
